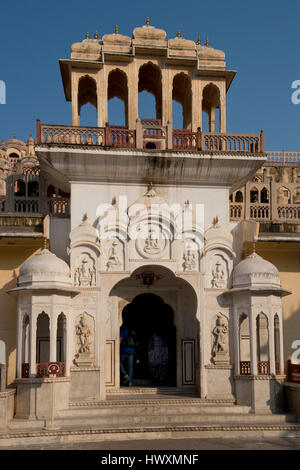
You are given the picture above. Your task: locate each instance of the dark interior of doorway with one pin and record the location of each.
(155, 358)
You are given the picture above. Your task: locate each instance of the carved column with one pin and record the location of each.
(133, 94)
(75, 110)
(253, 344)
(196, 104)
(222, 117)
(53, 336)
(212, 119)
(68, 336)
(271, 345)
(167, 88)
(102, 99)
(32, 362)
(20, 333)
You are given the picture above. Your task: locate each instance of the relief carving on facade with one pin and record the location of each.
(220, 345)
(189, 260)
(219, 278)
(114, 262)
(85, 272)
(84, 335)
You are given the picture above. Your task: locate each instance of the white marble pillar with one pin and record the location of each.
(19, 344)
(53, 336)
(271, 344)
(253, 344)
(32, 362)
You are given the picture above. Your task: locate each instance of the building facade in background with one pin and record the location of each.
(189, 236)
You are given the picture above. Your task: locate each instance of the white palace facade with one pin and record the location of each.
(135, 223)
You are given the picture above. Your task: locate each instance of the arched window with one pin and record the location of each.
(61, 338)
(20, 188)
(33, 189)
(283, 195)
(210, 102)
(182, 94)
(262, 342)
(239, 196)
(264, 196)
(42, 339)
(254, 195)
(14, 158)
(87, 98)
(296, 196)
(117, 95)
(150, 81)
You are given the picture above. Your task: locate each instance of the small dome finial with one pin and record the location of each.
(114, 201)
(85, 217)
(96, 34)
(150, 185)
(87, 36)
(254, 247)
(178, 33)
(116, 29)
(198, 40)
(147, 21)
(207, 42)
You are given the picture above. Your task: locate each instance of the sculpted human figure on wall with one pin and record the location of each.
(218, 276)
(83, 333)
(221, 336)
(113, 259)
(189, 260)
(151, 243)
(85, 274)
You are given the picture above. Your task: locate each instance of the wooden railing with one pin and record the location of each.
(184, 139)
(263, 368)
(42, 369)
(26, 205)
(288, 212)
(275, 157)
(245, 367)
(293, 372)
(59, 206)
(260, 211)
(236, 211)
(122, 137)
(232, 142)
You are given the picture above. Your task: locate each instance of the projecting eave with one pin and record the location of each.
(65, 70)
(43, 289)
(223, 169)
(210, 72)
(258, 290)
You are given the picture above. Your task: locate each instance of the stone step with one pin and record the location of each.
(151, 415)
(146, 408)
(100, 434)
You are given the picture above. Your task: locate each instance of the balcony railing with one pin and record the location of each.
(245, 368)
(42, 369)
(293, 372)
(122, 137)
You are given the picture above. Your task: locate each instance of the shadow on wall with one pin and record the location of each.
(8, 329)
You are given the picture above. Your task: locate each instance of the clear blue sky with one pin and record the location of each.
(260, 39)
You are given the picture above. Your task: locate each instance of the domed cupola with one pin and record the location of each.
(254, 271)
(44, 269)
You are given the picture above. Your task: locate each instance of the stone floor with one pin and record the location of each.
(280, 443)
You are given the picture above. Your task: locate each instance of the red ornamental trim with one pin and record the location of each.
(53, 368)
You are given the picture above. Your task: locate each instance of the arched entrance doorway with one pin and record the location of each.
(154, 297)
(152, 320)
